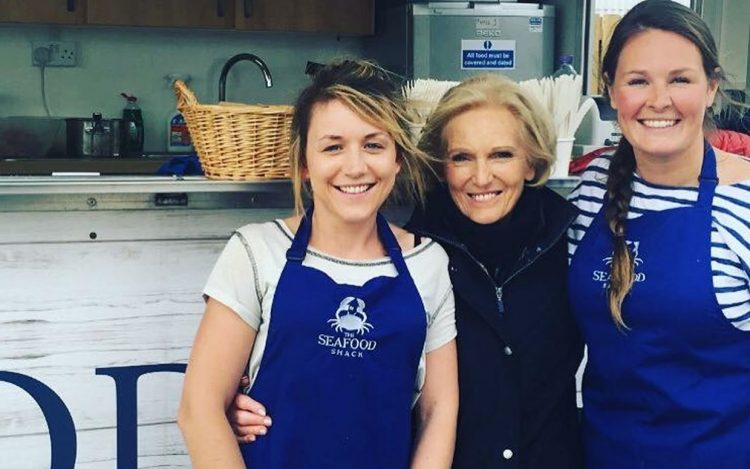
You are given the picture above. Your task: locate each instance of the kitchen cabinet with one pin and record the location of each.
(338, 16)
(164, 13)
(43, 11)
(332, 16)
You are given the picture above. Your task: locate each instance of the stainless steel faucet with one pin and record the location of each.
(233, 60)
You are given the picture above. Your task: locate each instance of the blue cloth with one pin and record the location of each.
(181, 166)
(339, 367)
(673, 391)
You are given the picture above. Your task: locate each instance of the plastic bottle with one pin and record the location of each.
(178, 136)
(566, 67)
(131, 141)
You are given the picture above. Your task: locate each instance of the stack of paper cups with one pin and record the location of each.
(562, 161)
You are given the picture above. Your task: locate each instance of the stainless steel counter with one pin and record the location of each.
(37, 193)
(77, 184)
(153, 192)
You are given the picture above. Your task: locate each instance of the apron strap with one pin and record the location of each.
(296, 253)
(391, 245)
(708, 180)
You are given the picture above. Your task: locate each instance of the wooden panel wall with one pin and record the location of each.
(72, 305)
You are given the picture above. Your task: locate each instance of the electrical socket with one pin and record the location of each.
(61, 54)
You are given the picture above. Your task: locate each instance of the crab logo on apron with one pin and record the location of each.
(350, 322)
(602, 275)
(634, 248)
(351, 316)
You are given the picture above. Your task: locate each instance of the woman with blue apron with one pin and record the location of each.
(323, 404)
(344, 344)
(673, 389)
(656, 279)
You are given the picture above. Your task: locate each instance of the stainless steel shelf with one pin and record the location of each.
(97, 193)
(131, 184)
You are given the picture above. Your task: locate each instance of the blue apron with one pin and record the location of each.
(673, 391)
(339, 368)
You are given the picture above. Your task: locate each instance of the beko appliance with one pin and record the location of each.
(453, 40)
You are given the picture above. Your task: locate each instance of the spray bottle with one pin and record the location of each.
(178, 135)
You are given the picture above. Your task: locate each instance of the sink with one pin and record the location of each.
(31, 137)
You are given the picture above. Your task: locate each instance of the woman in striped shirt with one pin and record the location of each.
(660, 260)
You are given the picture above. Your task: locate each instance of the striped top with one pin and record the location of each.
(730, 229)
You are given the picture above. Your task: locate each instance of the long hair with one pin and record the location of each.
(665, 15)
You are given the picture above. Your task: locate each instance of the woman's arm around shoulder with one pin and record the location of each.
(219, 355)
(437, 406)
(437, 410)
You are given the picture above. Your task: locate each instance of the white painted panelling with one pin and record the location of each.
(159, 447)
(70, 309)
(72, 305)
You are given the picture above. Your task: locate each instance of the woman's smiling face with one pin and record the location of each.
(351, 164)
(660, 91)
(486, 166)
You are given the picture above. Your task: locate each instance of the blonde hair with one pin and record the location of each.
(536, 131)
(373, 95)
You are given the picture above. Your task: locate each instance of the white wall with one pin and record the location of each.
(135, 60)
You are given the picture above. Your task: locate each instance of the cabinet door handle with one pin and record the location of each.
(220, 9)
(248, 7)
(71, 5)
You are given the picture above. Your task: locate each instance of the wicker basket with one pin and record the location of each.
(237, 141)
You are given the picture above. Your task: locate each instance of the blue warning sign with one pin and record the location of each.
(488, 55)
